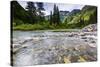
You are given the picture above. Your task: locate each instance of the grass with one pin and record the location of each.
(38, 27)
(26, 27)
(46, 26)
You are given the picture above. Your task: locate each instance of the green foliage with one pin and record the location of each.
(88, 15)
(36, 14)
(55, 16)
(18, 13)
(43, 26)
(33, 18)
(40, 16)
(28, 16)
(31, 10)
(17, 22)
(28, 27)
(51, 18)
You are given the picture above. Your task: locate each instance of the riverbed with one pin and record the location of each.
(48, 47)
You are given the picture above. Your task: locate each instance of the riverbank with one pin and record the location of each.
(91, 27)
(55, 30)
(30, 27)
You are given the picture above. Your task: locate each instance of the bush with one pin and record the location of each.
(17, 22)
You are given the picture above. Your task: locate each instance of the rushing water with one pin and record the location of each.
(46, 47)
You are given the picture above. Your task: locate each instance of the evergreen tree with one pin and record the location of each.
(51, 19)
(32, 11)
(40, 6)
(56, 15)
(39, 10)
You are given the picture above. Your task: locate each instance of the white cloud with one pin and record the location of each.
(49, 6)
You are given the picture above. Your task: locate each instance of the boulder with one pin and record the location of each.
(90, 28)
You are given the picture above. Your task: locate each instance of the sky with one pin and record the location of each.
(49, 6)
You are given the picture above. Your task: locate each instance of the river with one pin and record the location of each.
(47, 47)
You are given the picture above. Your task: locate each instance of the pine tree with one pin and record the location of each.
(40, 6)
(31, 9)
(51, 19)
(39, 11)
(56, 15)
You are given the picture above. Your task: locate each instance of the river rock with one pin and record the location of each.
(90, 28)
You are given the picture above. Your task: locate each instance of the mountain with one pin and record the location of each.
(89, 14)
(74, 11)
(81, 18)
(63, 14)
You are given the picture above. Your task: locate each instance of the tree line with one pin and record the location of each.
(37, 14)
(55, 16)
(33, 17)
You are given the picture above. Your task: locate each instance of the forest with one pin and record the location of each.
(34, 18)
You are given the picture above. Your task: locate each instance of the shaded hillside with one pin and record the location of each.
(19, 15)
(71, 16)
(74, 12)
(63, 14)
(88, 15)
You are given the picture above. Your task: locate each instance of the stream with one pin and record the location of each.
(47, 47)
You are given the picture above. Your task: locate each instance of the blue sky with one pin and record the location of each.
(49, 6)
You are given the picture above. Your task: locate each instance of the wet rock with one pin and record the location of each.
(90, 58)
(71, 35)
(16, 45)
(92, 45)
(25, 47)
(93, 42)
(74, 59)
(83, 37)
(67, 59)
(81, 59)
(60, 59)
(26, 41)
(90, 28)
(86, 40)
(81, 34)
(49, 49)
(90, 38)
